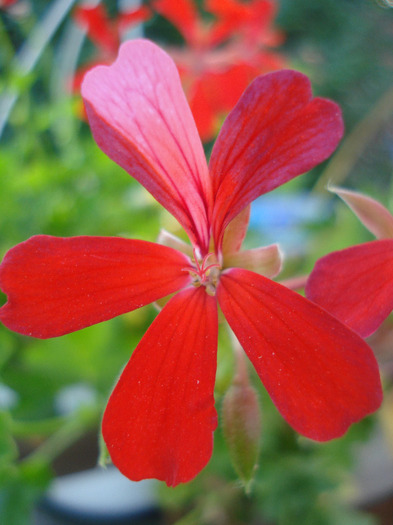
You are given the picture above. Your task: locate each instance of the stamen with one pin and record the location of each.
(200, 273)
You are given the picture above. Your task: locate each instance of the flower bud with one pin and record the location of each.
(242, 427)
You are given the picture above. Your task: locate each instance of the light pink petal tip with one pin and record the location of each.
(160, 418)
(321, 376)
(59, 285)
(266, 260)
(276, 132)
(236, 232)
(375, 217)
(140, 118)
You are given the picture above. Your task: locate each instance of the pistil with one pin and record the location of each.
(203, 274)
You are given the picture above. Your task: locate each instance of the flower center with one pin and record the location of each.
(204, 274)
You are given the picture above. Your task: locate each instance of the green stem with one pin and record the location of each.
(191, 518)
(72, 429)
(356, 141)
(241, 362)
(26, 59)
(26, 429)
(5, 41)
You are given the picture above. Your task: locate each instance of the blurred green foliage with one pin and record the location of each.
(54, 180)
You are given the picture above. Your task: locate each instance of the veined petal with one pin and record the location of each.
(375, 217)
(321, 376)
(59, 285)
(266, 260)
(355, 285)
(140, 118)
(160, 418)
(276, 132)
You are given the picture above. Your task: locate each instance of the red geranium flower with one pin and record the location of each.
(356, 284)
(160, 418)
(221, 57)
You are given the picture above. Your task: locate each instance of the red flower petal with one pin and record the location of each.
(276, 132)
(321, 375)
(7, 3)
(355, 285)
(129, 18)
(215, 93)
(140, 118)
(56, 285)
(202, 103)
(160, 418)
(98, 26)
(183, 14)
(253, 18)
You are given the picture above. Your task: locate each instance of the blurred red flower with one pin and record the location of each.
(222, 56)
(5, 4)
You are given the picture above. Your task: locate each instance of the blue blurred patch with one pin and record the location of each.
(286, 218)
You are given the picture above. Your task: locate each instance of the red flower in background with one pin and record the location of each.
(5, 4)
(160, 418)
(221, 57)
(105, 33)
(356, 284)
(249, 22)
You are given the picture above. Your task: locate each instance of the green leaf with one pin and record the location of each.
(8, 448)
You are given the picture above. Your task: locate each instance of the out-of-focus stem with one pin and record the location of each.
(31, 51)
(241, 372)
(5, 42)
(356, 141)
(26, 429)
(73, 428)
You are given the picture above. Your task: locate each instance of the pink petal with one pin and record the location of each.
(276, 132)
(140, 118)
(160, 418)
(321, 376)
(372, 214)
(57, 285)
(266, 260)
(236, 231)
(355, 285)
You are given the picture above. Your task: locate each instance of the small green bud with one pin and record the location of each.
(242, 427)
